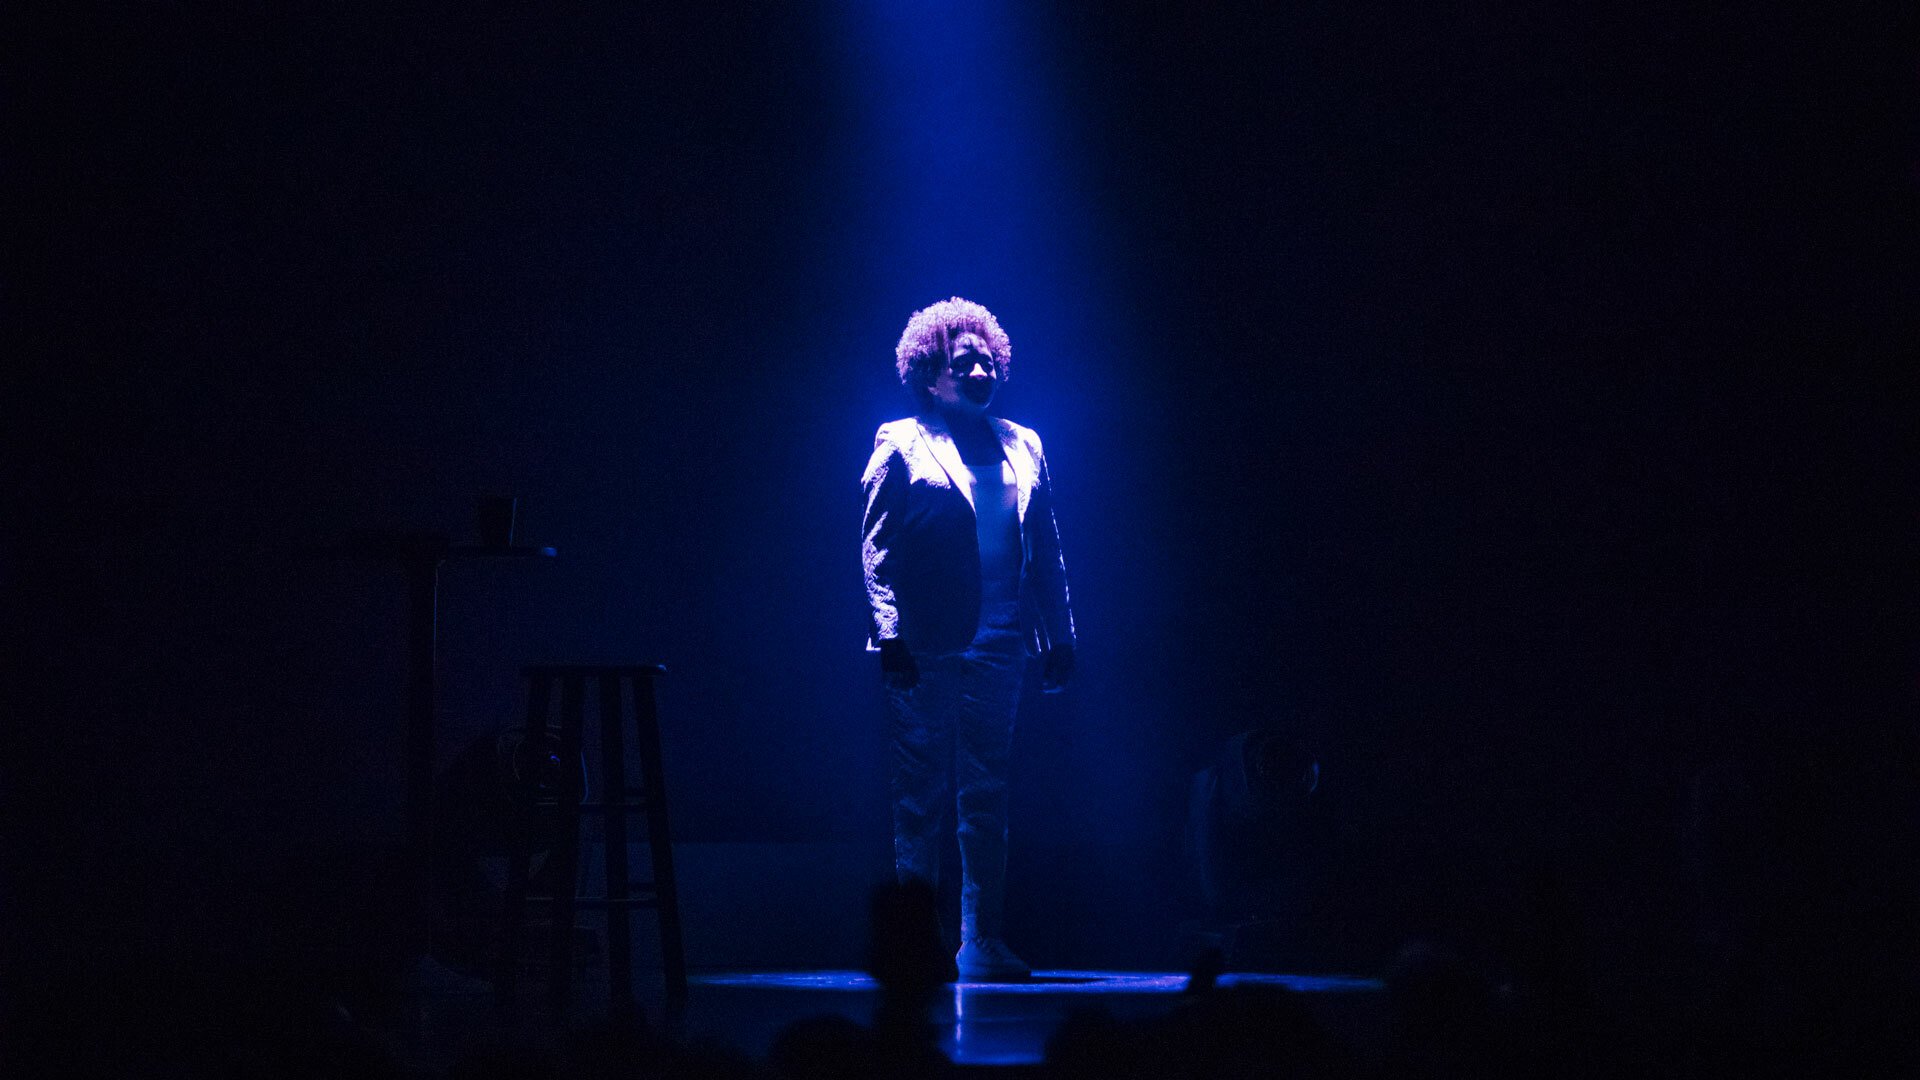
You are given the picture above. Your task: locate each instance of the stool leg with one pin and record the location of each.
(673, 956)
(613, 787)
(520, 849)
(566, 849)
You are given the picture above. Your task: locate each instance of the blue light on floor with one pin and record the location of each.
(1002, 1023)
(1044, 982)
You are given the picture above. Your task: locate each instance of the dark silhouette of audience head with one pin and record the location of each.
(907, 958)
(1224, 1033)
(1445, 1021)
(828, 1047)
(1801, 861)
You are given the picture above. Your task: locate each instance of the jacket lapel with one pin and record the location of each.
(940, 442)
(1026, 474)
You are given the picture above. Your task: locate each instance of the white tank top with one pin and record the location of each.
(996, 518)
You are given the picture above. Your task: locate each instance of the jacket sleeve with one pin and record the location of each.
(885, 484)
(1047, 566)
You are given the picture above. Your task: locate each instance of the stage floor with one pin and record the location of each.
(992, 1023)
(976, 1024)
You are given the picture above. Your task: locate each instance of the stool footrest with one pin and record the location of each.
(560, 699)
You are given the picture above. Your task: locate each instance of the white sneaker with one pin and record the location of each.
(989, 960)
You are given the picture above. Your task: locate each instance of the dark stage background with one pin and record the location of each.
(1512, 403)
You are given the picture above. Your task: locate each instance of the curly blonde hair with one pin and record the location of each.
(926, 344)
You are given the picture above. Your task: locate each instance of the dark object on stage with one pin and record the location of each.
(1254, 823)
(421, 555)
(617, 801)
(479, 795)
(479, 802)
(1260, 843)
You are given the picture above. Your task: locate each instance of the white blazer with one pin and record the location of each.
(921, 551)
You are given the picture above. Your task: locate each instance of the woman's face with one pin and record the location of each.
(967, 383)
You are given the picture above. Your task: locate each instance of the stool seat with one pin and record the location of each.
(618, 801)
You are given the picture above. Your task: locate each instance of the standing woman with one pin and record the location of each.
(965, 581)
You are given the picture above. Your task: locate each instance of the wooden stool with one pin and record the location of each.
(616, 801)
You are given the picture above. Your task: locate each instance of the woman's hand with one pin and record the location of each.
(897, 669)
(1056, 669)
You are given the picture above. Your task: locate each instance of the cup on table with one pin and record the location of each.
(495, 514)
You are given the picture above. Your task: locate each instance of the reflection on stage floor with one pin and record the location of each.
(992, 1023)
